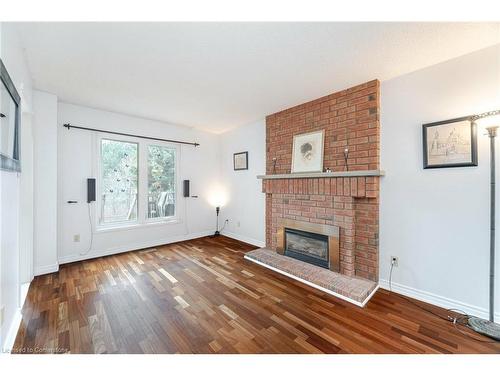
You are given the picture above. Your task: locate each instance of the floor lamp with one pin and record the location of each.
(217, 232)
(484, 326)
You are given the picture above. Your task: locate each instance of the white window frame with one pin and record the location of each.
(142, 219)
(145, 181)
(119, 224)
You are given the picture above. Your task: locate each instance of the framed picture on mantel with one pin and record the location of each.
(450, 143)
(307, 152)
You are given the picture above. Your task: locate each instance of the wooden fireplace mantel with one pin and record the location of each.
(371, 173)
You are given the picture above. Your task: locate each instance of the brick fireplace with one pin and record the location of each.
(346, 198)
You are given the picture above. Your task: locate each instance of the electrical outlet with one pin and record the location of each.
(76, 238)
(394, 261)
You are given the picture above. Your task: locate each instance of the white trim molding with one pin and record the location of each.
(331, 292)
(131, 247)
(245, 239)
(43, 270)
(10, 338)
(437, 300)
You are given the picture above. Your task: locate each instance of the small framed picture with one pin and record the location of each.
(450, 143)
(240, 161)
(307, 153)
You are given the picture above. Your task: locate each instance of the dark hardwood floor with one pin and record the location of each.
(201, 296)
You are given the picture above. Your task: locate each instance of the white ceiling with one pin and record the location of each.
(216, 76)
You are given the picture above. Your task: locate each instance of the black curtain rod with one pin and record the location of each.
(69, 126)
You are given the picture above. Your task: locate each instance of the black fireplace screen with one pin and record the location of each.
(307, 247)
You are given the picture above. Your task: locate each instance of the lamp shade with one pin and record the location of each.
(217, 196)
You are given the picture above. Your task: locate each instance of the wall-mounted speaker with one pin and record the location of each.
(90, 190)
(186, 188)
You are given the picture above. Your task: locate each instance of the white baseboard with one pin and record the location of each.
(10, 338)
(16, 320)
(130, 247)
(43, 270)
(437, 300)
(24, 293)
(245, 239)
(354, 302)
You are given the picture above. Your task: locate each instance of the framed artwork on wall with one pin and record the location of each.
(450, 143)
(240, 161)
(307, 152)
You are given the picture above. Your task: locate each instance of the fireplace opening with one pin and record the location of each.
(307, 247)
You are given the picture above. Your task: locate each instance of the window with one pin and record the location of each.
(161, 182)
(137, 182)
(118, 181)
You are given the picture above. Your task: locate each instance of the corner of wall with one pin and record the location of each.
(245, 208)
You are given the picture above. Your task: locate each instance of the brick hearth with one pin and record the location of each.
(350, 119)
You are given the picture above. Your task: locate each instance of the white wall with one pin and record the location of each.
(45, 177)
(75, 165)
(15, 193)
(245, 207)
(26, 201)
(437, 221)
